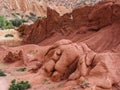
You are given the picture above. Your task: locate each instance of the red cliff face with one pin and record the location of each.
(34, 33)
(88, 19)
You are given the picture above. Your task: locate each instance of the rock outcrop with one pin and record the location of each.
(34, 33)
(13, 57)
(84, 64)
(81, 22)
(58, 62)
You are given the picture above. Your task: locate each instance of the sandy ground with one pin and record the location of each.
(10, 41)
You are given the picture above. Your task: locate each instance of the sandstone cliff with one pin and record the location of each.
(78, 24)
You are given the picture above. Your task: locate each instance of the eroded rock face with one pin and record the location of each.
(57, 55)
(91, 62)
(82, 65)
(14, 57)
(92, 18)
(35, 32)
(67, 60)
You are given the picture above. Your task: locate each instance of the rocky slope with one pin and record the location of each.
(9, 8)
(72, 3)
(66, 6)
(87, 57)
(76, 26)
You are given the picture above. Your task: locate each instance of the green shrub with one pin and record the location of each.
(2, 73)
(9, 25)
(5, 24)
(17, 22)
(21, 69)
(9, 35)
(20, 85)
(2, 21)
(41, 17)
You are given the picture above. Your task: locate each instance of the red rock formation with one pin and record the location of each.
(36, 33)
(85, 20)
(91, 61)
(13, 57)
(99, 70)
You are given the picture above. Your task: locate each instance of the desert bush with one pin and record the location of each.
(85, 84)
(9, 35)
(5, 24)
(2, 21)
(8, 26)
(41, 17)
(17, 22)
(21, 69)
(20, 85)
(2, 73)
(32, 14)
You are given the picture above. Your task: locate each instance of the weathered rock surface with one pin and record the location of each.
(34, 33)
(80, 23)
(67, 60)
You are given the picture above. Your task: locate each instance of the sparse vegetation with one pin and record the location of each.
(46, 81)
(51, 88)
(22, 69)
(32, 17)
(20, 85)
(5, 24)
(85, 84)
(32, 14)
(10, 24)
(41, 17)
(9, 35)
(17, 22)
(59, 85)
(2, 73)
